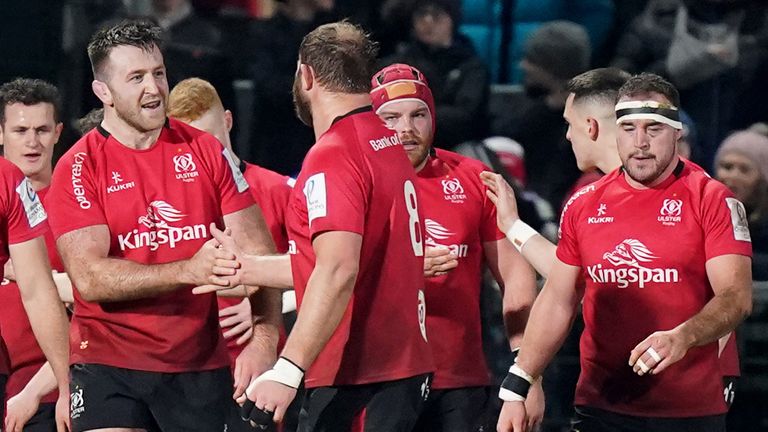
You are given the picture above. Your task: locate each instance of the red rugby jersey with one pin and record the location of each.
(23, 218)
(25, 357)
(357, 178)
(643, 254)
(457, 215)
(158, 204)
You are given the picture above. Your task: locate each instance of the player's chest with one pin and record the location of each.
(639, 240)
(452, 213)
(151, 193)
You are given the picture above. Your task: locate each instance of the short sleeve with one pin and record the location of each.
(335, 189)
(724, 221)
(73, 199)
(568, 245)
(228, 179)
(23, 210)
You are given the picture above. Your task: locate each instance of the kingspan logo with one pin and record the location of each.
(435, 232)
(630, 259)
(159, 214)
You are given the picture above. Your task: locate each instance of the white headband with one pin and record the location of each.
(648, 110)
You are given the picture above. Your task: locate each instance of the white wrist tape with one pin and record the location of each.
(517, 370)
(283, 371)
(519, 233)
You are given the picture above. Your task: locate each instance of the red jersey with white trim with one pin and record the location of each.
(457, 215)
(158, 204)
(643, 254)
(357, 178)
(23, 218)
(25, 357)
(271, 191)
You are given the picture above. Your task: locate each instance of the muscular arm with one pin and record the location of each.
(518, 283)
(43, 306)
(328, 292)
(551, 318)
(273, 271)
(540, 252)
(731, 280)
(100, 278)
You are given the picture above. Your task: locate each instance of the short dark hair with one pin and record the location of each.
(89, 121)
(598, 85)
(142, 34)
(649, 83)
(29, 92)
(342, 56)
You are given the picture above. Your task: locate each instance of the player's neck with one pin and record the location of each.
(126, 134)
(610, 155)
(329, 106)
(42, 179)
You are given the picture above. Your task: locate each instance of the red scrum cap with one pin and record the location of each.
(401, 82)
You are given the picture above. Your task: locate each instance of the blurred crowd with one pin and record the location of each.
(497, 68)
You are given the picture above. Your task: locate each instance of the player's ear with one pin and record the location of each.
(593, 128)
(57, 130)
(101, 90)
(307, 75)
(228, 120)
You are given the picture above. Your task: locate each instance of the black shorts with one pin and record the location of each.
(44, 419)
(111, 397)
(390, 406)
(588, 419)
(3, 380)
(454, 410)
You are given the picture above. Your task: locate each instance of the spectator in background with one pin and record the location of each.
(741, 163)
(283, 139)
(711, 50)
(89, 121)
(459, 79)
(554, 53)
(193, 47)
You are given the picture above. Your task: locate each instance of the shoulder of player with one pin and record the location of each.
(700, 183)
(460, 162)
(195, 137)
(258, 175)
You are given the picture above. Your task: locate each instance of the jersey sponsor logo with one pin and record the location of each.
(159, 215)
(77, 181)
(738, 220)
(670, 212)
(601, 218)
(237, 175)
(119, 184)
(76, 403)
(384, 142)
(314, 191)
(422, 315)
(571, 200)
(631, 264)
(453, 190)
(185, 167)
(31, 202)
(435, 231)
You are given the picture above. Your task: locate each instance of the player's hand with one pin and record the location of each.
(266, 401)
(257, 357)
(534, 406)
(226, 265)
(20, 409)
(8, 271)
(502, 195)
(439, 261)
(237, 321)
(512, 418)
(658, 351)
(62, 413)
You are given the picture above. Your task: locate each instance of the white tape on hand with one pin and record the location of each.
(643, 367)
(654, 355)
